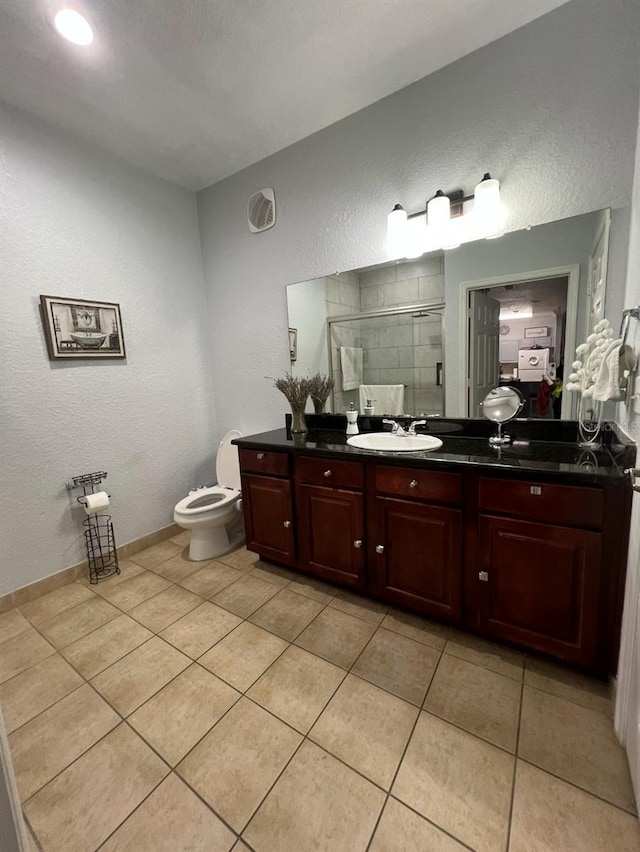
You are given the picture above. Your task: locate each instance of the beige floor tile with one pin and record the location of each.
(198, 630)
(178, 567)
(418, 628)
(72, 624)
(317, 804)
(49, 605)
(398, 664)
(369, 610)
(459, 782)
(287, 614)
(367, 728)
(183, 539)
(402, 830)
(313, 589)
(211, 579)
(136, 590)
(297, 687)
(49, 743)
(482, 702)
(162, 610)
(23, 651)
(98, 650)
(136, 677)
(275, 574)
(173, 818)
(31, 843)
(80, 808)
(128, 570)
(182, 712)
(242, 559)
(153, 556)
(245, 595)
(337, 637)
(37, 688)
(576, 744)
(488, 654)
(552, 816)
(579, 688)
(234, 766)
(240, 847)
(242, 656)
(12, 623)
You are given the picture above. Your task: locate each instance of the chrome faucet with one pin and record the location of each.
(396, 428)
(412, 427)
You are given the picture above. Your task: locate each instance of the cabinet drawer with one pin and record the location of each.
(541, 501)
(330, 472)
(419, 484)
(261, 461)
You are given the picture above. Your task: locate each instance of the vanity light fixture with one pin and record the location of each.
(73, 26)
(444, 224)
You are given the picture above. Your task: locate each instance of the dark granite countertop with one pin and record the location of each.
(558, 460)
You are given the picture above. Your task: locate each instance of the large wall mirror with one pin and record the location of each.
(432, 336)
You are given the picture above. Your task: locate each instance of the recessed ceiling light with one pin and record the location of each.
(73, 26)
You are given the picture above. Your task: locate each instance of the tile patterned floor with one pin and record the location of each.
(235, 705)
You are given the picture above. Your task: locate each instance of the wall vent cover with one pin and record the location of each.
(261, 211)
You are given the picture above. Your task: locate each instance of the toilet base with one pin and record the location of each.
(209, 542)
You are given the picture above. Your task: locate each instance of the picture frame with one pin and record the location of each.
(81, 329)
(537, 331)
(293, 344)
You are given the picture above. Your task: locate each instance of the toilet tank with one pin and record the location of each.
(227, 461)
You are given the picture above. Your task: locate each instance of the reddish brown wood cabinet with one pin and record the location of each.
(268, 517)
(539, 586)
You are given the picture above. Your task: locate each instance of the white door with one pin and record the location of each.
(597, 275)
(484, 336)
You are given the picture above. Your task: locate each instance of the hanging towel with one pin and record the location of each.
(607, 384)
(351, 358)
(387, 399)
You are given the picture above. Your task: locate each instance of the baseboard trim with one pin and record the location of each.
(26, 594)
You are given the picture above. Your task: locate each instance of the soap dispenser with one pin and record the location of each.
(352, 420)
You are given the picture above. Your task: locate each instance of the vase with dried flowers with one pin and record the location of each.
(296, 391)
(320, 386)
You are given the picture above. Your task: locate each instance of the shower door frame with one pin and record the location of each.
(388, 312)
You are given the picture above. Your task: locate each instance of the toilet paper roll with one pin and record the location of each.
(96, 502)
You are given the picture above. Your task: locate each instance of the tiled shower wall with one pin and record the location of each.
(343, 297)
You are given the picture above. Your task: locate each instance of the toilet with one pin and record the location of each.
(214, 515)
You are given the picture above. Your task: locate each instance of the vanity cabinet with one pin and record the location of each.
(415, 546)
(539, 582)
(330, 510)
(268, 505)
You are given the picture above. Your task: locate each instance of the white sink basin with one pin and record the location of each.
(385, 442)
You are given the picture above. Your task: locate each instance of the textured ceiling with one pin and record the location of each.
(195, 90)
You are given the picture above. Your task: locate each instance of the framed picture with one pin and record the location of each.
(293, 344)
(538, 331)
(81, 329)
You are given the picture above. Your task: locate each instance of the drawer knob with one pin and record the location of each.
(484, 576)
(379, 548)
(413, 483)
(327, 473)
(260, 456)
(286, 524)
(358, 543)
(535, 490)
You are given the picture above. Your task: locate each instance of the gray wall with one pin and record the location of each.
(76, 222)
(551, 110)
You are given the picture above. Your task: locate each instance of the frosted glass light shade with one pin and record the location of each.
(489, 212)
(439, 212)
(397, 232)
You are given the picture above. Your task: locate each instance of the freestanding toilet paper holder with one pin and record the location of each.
(102, 556)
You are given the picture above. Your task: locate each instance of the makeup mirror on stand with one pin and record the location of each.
(501, 405)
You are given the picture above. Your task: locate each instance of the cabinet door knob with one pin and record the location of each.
(413, 483)
(379, 548)
(357, 543)
(260, 455)
(286, 524)
(484, 576)
(327, 473)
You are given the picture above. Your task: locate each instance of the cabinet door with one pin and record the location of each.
(268, 517)
(539, 586)
(331, 533)
(418, 555)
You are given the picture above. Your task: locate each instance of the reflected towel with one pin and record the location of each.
(351, 359)
(387, 399)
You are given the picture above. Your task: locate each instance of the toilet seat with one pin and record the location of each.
(206, 499)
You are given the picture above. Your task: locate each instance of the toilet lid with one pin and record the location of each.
(227, 464)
